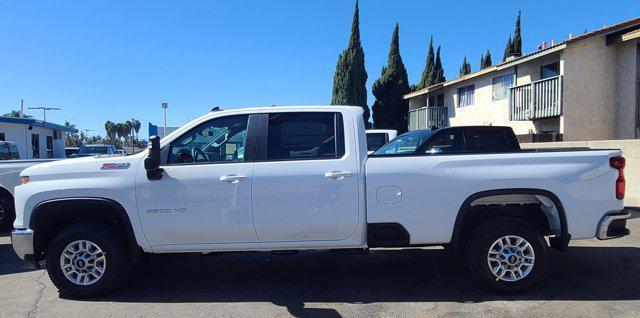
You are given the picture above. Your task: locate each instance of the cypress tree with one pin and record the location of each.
(438, 70)
(428, 77)
(517, 38)
(465, 68)
(508, 50)
(481, 61)
(350, 78)
(390, 109)
(486, 61)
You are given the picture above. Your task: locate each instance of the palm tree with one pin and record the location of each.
(110, 127)
(136, 126)
(128, 127)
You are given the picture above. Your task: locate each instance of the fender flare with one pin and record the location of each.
(559, 243)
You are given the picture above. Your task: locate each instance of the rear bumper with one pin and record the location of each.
(613, 225)
(22, 241)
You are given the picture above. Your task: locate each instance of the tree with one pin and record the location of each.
(517, 38)
(15, 113)
(465, 68)
(508, 50)
(438, 70)
(111, 129)
(485, 61)
(73, 139)
(136, 126)
(428, 75)
(128, 128)
(350, 78)
(390, 109)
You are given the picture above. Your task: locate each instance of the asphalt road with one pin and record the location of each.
(593, 279)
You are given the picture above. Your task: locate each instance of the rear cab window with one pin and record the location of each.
(376, 140)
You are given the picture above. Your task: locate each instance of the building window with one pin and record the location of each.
(49, 146)
(35, 146)
(466, 95)
(501, 85)
(57, 134)
(2, 137)
(550, 70)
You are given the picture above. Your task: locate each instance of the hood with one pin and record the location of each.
(83, 165)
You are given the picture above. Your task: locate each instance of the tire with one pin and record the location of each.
(7, 213)
(514, 272)
(114, 263)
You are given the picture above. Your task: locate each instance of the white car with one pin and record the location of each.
(296, 178)
(376, 138)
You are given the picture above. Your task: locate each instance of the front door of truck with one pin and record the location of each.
(204, 195)
(305, 179)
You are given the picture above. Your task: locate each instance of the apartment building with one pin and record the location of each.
(583, 88)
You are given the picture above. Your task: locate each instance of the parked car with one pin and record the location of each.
(70, 151)
(8, 151)
(297, 178)
(467, 139)
(121, 152)
(376, 138)
(96, 150)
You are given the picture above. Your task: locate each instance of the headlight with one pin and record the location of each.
(24, 179)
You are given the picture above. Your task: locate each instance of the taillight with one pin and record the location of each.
(618, 163)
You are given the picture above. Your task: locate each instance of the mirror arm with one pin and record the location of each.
(155, 174)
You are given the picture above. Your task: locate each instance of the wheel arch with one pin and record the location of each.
(560, 242)
(48, 209)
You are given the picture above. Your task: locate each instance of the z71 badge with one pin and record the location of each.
(115, 166)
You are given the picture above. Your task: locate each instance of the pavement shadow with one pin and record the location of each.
(10, 263)
(418, 275)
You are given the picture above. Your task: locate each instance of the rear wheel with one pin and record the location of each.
(87, 259)
(7, 213)
(508, 255)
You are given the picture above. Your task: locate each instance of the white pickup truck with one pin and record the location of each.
(294, 178)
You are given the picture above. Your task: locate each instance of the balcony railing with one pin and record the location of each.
(540, 99)
(428, 117)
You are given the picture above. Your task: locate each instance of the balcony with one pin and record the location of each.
(428, 117)
(540, 99)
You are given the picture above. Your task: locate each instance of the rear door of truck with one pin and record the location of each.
(306, 178)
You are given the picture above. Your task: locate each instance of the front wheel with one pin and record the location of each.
(87, 259)
(7, 213)
(508, 255)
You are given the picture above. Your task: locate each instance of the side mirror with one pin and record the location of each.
(152, 162)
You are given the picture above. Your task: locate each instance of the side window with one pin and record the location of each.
(488, 140)
(305, 135)
(218, 140)
(446, 142)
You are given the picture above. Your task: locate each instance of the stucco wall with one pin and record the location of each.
(589, 96)
(626, 69)
(630, 150)
(19, 134)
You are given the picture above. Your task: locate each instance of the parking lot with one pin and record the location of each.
(594, 278)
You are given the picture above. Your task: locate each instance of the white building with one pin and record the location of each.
(35, 138)
(583, 88)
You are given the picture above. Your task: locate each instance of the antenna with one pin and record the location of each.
(44, 111)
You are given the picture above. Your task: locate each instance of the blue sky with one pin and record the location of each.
(113, 60)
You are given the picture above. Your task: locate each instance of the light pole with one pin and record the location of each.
(44, 111)
(164, 109)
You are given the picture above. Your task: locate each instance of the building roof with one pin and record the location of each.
(526, 57)
(36, 122)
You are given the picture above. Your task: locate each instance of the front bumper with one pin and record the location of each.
(613, 225)
(22, 241)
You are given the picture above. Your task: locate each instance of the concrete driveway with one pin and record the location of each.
(593, 279)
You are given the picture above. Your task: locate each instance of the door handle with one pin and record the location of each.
(232, 178)
(338, 175)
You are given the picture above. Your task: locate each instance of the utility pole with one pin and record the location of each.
(21, 108)
(44, 111)
(164, 109)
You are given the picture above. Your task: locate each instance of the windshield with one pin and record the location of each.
(405, 143)
(94, 150)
